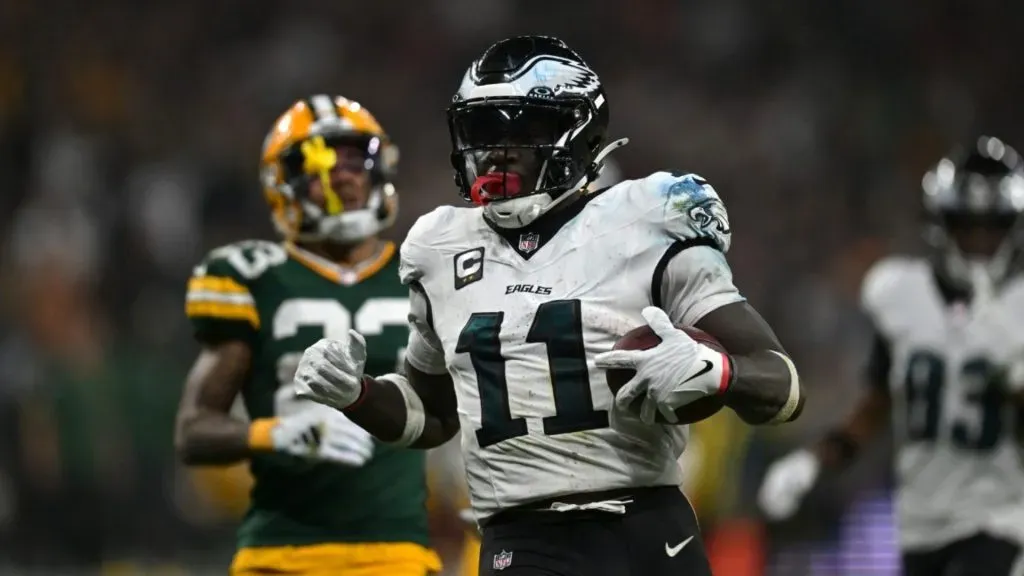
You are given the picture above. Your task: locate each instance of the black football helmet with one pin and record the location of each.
(528, 128)
(973, 202)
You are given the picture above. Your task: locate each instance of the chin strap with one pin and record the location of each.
(595, 167)
(481, 196)
(594, 170)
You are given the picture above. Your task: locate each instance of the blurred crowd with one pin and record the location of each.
(129, 138)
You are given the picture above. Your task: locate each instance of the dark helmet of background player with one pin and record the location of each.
(528, 125)
(973, 202)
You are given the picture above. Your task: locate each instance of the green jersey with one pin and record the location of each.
(280, 300)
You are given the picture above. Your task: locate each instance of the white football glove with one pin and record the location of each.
(331, 371)
(677, 371)
(786, 483)
(1014, 380)
(322, 433)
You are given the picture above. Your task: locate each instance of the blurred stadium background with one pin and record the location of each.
(129, 137)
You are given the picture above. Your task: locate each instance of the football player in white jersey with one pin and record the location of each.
(946, 368)
(517, 303)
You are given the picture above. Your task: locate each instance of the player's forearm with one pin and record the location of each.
(211, 438)
(841, 445)
(205, 433)
(765, 389)
(384, 411)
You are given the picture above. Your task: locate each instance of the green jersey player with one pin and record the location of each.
(327, 497)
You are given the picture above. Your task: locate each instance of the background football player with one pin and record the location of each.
(516, 304)
(327, 498)
(945, 367)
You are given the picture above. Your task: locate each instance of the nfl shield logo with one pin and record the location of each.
(528, 242)
(502, 560)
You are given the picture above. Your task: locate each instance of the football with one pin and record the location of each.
(642, 338)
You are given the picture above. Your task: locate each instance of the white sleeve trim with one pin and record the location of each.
(424, 350)
(697, 281)
(422, 356)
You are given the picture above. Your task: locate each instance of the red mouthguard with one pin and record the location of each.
(495, 186)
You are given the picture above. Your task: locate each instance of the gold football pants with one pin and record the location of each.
(370, 559)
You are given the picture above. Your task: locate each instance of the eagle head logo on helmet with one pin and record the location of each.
(528, 128)
(303, 156)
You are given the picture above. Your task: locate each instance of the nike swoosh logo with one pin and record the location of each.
(673, 550)
(707, 368)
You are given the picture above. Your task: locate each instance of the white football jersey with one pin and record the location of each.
(518, 331)
(958, 467)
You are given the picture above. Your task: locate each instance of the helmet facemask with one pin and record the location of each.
(332, 207)
(975, 251)
(506, 149)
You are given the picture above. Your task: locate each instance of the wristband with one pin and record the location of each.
(793, 400)
(415, 417)
(260, 436)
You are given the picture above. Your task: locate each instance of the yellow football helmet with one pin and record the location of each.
(301, 147)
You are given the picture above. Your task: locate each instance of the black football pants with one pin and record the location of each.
(978, 555)
(657, 535)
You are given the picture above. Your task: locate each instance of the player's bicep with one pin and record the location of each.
(427, 373)
(741, 329)
(437, 392)
(692, 280)
(424, 350)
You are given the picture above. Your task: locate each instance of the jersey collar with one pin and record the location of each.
(342, 274)
(528, 240)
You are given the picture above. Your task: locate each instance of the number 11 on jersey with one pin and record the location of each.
(558, 325)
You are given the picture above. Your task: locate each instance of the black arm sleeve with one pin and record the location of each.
(879, 364)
